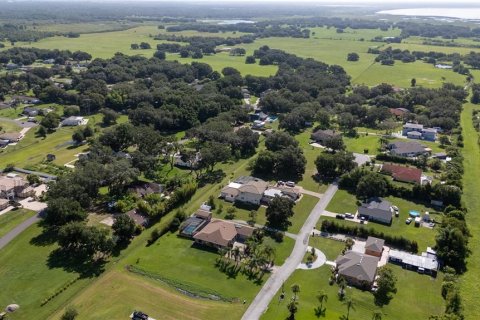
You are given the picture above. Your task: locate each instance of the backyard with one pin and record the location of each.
(13, 218)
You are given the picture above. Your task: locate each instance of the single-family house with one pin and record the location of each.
(143, 189)
(258, 124)
(30, 111)
(248, 190)
(440, 156)
(418, 131)
(4, 203)
(185, 160)
(407, 149)
(402, 173)
(222, 234)
(399, 112)
(11, 137)
(322, 136)
(137, 218)
(196, 222)
(73, 121)
(426, 263)
(357, 268)
(26, 99)
(376, 209)
(12, 66)
(374, 246)
(13, 186)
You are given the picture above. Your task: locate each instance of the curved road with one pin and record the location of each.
(274, 283)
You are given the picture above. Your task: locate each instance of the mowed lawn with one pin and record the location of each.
(13, 218)
(8, 126)
(418, 297)
(471, 151)
(344, 202)
(28, 276)
(362, 143)
(117, 294)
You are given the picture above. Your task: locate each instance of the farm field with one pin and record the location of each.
(11, 219)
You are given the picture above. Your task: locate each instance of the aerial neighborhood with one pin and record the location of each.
(232, 161)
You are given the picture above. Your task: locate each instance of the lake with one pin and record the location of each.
(459, 13)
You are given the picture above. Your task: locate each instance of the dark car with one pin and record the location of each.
(340, 216)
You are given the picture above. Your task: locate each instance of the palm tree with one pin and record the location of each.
(377, 315)
(236, 255)
(349, 243)
(322, 297)
(350, 304)
(269, 253)
(295, 290)
(292, 308)
(342, 283)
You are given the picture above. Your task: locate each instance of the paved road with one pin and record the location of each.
(17, 230)
(274, 283)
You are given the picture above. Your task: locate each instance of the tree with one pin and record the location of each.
(413, 82)
(278, 212)
(335, 143)
(33, 179)
(386, 286)
(452, 247)
(372, 185)
(290, 163)
(70, 314)
(353, 56)
(145, 45)
(280, 140)
(250, 60)
(51, 121)
(292, 307)
(61, 211)
(84, 241)
(213, 153)
(160, 55)
(134, 46)
(444, 140)
(123, 227)
(247, 141)
(326, 164)
(350, 304)
(295, 290)
(377, 315)
(41, 132)
(109, 116)
(322, 297)
(78, 136)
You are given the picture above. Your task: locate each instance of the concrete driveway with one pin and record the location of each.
(31, 204)
(361, 159)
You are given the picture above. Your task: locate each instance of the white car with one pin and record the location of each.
(395, 208)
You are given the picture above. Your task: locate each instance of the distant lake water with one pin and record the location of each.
(459, 13)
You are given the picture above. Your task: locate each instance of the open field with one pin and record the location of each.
(32, 276)
(345, 202)
(471, 151)
(7, 126)
(418, 295)
(359, 144)
(11, 219)
(116, 294)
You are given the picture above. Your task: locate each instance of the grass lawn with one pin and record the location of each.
(359, 144)
(425, 237)
(7, 126)
(302, 209)
(28, 276)
(116, 294)
(418, 297)
(11, 219)
(330, 248)
(10, 113)
(471, 151)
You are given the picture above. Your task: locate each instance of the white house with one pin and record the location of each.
(245, 189)
(74, 121)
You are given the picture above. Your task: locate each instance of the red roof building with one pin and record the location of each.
(401, 173)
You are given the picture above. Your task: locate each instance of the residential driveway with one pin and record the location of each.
(17, 230)
(37, 206)
(274, 283)
(361, 159)
(310, 193)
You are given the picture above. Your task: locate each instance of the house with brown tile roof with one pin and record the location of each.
(11, 187)
(402, 173)
(222, 234)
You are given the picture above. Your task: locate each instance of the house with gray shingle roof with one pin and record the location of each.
(358, 269)
(407, 149)
(376, 209)
(374, 246)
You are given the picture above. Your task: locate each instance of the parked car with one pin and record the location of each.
(349, 215)
(290, 184)
(340, 216)
(408, 221)
(395, 208)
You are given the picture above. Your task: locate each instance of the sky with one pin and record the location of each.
(386, 2)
